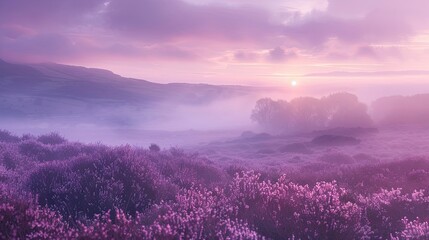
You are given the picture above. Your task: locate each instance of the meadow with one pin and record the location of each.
(55, 189)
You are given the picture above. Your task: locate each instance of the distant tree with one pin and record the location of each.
(345, 110)
(272, 115)
(400, 110)
(308, 113)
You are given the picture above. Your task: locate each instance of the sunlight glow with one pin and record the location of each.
(294, 83)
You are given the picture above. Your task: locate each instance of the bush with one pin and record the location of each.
(90, 185)
(6, 136)
(200, 214)
(36, 150)
(283, 209)
(22, 218)
(386, 209)
(186, 170)
(10, 157)
(104, 226)
(51, 139)
(154, 148)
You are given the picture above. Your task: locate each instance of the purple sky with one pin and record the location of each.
(270, 42)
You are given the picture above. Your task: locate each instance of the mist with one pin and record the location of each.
(169, 124)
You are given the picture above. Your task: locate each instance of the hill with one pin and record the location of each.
(55, 90)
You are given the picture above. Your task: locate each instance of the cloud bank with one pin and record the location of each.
(214, 32)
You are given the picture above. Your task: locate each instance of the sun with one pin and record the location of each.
(294, 83)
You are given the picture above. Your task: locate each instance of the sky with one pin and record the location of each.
(250, 42)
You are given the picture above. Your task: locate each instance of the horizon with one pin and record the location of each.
(368, 93)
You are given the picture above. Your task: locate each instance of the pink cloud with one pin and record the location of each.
(47, 12)
(213, 33)
(169, 20)
(246, 56)
(363, 22)
(175, 22)
(278, 54)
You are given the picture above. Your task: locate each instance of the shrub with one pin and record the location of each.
(36, 150)
(6, 136)
(187, 170)
(22, 218)
(68, 150)
(10, 157)
(386, 209)
(287, 210)
(51, 139)
(103, 226)
(200, 214)
(90, 185)
(413, 230)
(154, 148)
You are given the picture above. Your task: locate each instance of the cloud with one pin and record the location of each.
(174, 20)
(168, 52)
(47, 13)
(317, 30)
(58, 47)
(371, 74)
(366, 52)
(278, 54)
(362, 22)
(190, 30)
(38, 47)
(54, 30)
(243, 56)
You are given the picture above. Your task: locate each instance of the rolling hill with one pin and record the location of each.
(55, 90)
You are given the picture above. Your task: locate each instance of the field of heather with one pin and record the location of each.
(52, 188)
(341, 146)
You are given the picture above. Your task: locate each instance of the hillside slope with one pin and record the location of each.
(41, 90)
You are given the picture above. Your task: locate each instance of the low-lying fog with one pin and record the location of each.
(165, 124)
(269, 132)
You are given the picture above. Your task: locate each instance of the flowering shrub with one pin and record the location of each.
(65, 190)
(154, 148)
(10, 158)
(36, 150)
(51, 138)
(186, 170)
(22, 218)
(200, 214)
(286, 209)
(6, 136)
(85, 186)
(414, 230)
(385, 210)
(122, 226)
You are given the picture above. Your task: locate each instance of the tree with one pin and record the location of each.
(272, 115)
(345, 110)
(308, 114)
(402, 110)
